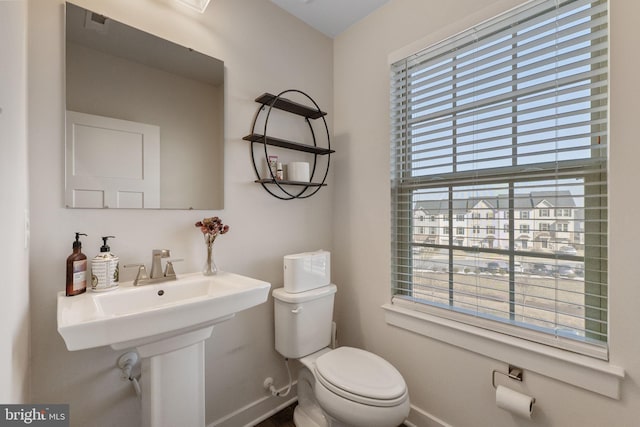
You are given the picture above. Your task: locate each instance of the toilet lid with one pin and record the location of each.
(355, 374)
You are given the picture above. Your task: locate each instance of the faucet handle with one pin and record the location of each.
(142, 272)
(168, 270)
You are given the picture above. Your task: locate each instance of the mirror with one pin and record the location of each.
(145, 119)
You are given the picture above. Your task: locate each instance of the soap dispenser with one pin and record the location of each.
(105, 268)
(76, 269)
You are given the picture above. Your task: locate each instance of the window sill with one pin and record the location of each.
(591, 374)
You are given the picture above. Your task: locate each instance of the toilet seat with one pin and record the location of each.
(361, 376)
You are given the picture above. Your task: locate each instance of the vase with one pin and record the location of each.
(209, 268)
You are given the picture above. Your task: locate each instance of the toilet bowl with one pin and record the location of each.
(338, 387)
(358, 388)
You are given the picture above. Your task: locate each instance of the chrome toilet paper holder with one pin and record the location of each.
(514, 373)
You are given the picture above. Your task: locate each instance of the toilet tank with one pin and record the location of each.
(303, 320)
(307, 270)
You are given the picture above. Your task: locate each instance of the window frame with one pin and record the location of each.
(542, 211)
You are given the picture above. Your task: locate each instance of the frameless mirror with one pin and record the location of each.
(144, 119)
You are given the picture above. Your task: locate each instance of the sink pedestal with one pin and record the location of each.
(173, 380)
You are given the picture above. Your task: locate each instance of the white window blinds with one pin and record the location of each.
(499, 175)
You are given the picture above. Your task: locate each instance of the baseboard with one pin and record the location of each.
(263, 408)
(419, 418)
(257, 411)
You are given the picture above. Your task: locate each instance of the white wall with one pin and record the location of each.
(14, 276)
(445, 381)
(254, 39)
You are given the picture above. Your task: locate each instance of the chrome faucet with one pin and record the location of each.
(157, 275)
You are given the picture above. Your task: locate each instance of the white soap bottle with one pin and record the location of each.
(105, 269)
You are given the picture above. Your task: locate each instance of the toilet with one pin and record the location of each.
(342, 387)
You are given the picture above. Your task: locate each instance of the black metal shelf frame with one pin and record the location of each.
(268, 103)
(278, 142)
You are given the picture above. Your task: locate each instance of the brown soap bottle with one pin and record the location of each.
(77, 269)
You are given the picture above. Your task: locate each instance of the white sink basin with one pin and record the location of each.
(131, 316)
(162, 295)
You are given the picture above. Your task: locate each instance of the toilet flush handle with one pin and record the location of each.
(296, 310)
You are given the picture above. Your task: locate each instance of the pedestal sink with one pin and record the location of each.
(167, 324)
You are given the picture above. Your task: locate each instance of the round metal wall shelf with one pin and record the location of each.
(284, 189)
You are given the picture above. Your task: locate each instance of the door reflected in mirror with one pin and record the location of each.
(145, 119)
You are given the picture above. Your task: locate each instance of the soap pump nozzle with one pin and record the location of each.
(105, 247)
(78, 244)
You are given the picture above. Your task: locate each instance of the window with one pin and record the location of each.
(509, 116)
(544, 226)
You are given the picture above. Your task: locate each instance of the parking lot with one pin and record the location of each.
(534, 296)
(464, 262)
(481, 283)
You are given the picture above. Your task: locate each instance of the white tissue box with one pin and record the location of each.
(306, 271)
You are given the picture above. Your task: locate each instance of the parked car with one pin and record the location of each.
(541, 269)
(565, 271)
(517, 267)
(496, 267)
(567, 250)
